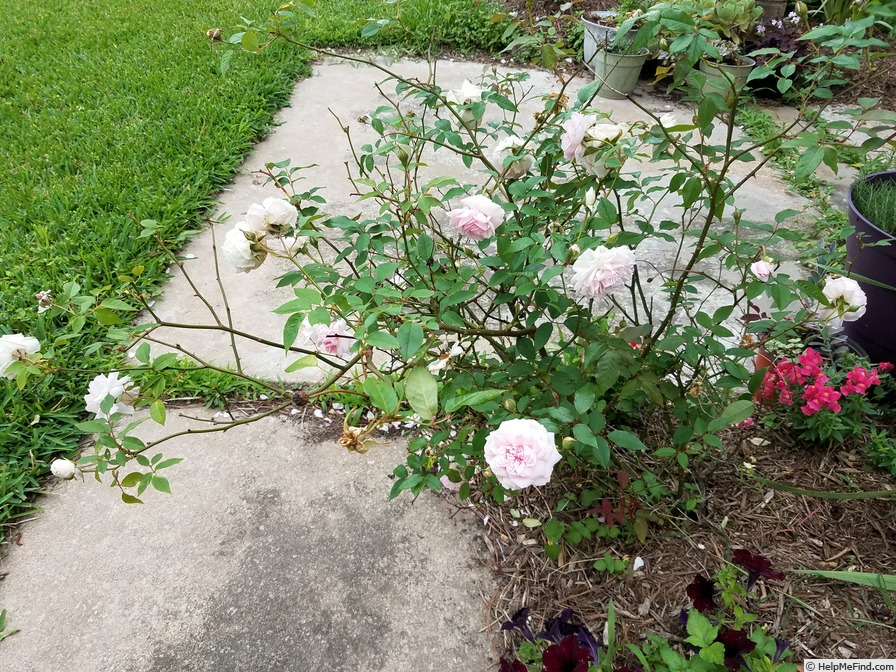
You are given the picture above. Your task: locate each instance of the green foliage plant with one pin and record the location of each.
(509, 316)
(876, 201)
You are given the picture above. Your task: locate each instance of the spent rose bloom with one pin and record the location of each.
(521, 452)
(274, 216)
(763, 269)
(848, 301)
(241, 247)
(506, 159)
(122, 390)
(478, 218)
(332, 339)
(602, 270)
(44, 301)
(14, 348)
(64, 469)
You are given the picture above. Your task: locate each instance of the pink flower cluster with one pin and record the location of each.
(785, 379)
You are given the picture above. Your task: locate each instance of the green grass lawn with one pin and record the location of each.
(111, 113)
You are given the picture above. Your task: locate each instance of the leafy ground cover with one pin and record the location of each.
(110, 114)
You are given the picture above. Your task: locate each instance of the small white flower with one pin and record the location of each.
(507, 160)
(444, 360)
(602, 270)
(848, 301)
(466, 94)
(64, 469)
(14, 348)
(122, 390)
(241, 247)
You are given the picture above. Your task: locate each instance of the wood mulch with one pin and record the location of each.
(822, 618)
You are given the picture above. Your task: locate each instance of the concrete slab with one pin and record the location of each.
(278, 551)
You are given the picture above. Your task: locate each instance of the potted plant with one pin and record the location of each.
(871, 259)
(599, 27)
(618, 67)
(724, 66)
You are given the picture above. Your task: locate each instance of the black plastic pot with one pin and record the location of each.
(876, 330)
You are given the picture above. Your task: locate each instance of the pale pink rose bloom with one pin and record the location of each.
(521, 453)
(574, 130)
(602, 270)
(478, 218)
(332, 339)
(762, 269)
(122, 390)
(450, 485)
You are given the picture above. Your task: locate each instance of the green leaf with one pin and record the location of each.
(131, 479)
(162, 362)
(531, 522)
(472, 399)
(170, 462)
(702, 632)
(410, 338)
(714, 653)
(157, 411)
(881, 581)
(422, 392)
(584, 400)
(116, 304)
(302, 363)
(130, 499)
(382, 394)
(291, 329)
(383, 340)
(93, 426)
(106, 317)
(160, 483)
(142, 353)
(584, 435)
(626, 440)
(737, 411)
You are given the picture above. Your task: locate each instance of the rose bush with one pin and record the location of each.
(524, 321)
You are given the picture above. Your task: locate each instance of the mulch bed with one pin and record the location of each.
(822, 618)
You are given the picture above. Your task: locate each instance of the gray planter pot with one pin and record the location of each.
(618, 72)
(871, 253)
(721, 77)
(597, 36)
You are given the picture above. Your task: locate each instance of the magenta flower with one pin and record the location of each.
(819, 397)
(811, 363)
(885, 367)
(859, 381)
(702, 592)
(756, 566)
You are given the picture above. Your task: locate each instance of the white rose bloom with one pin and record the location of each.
(503, 158)
(274, 216)
(597, 139)
(848, 301)
(242, 253)
(122, 390)
(13, 348)
(602, 271)
(668, 120)
(590, 198)
(466, 94)
(64, 469)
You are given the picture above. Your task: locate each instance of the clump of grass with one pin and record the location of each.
(876, 201)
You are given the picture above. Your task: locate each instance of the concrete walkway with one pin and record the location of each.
(278, 550)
